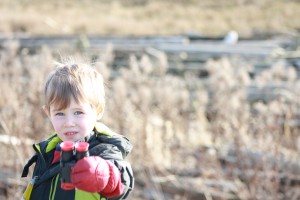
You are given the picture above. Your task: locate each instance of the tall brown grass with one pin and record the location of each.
(180, 125)
(149, 17)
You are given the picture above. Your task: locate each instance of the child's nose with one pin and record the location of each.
(69, 122)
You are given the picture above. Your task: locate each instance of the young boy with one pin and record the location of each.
(74, 102)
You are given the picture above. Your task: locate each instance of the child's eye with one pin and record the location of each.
(59, 114)
(78, 113)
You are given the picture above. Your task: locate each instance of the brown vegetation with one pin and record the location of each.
(149, 17)
(230, 135)
(193, 138)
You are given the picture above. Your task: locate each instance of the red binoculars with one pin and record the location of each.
(70, 153)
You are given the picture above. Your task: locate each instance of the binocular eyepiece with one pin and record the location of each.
(70, 153)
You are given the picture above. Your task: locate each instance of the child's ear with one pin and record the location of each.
(46, 110)
(100, 112)
(99, 116)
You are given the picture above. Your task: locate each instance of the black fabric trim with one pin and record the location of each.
(32, 160)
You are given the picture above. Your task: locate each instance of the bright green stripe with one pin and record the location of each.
(55, 185)
(80, 195)
(37, 147)
(52, 144)
(53, 189)
(103, 129)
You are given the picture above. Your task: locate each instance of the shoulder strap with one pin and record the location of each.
(32, 160)
(44, 146)
(48, 174)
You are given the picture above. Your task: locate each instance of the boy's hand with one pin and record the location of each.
(94, 174)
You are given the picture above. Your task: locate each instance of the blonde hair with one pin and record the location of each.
(79, 81)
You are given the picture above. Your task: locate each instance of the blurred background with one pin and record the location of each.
(207, 91)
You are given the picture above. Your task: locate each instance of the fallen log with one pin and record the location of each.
(246, 163)
(199, 188)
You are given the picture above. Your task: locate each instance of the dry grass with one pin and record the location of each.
(143, 17)
(179, 125)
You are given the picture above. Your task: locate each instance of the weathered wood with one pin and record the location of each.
(92, 41)
(260, 164)
(198, 188)
(181, 51)
(272, 90)
(256, 92)
(216, 49)
(168, 44)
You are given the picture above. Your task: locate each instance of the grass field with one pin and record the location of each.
(145, 17)
(193, 137)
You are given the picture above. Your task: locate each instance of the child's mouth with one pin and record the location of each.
(70, 133)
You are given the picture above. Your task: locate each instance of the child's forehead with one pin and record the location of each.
(73, 104)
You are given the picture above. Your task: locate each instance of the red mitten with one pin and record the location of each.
(114, 186)
(94, 174)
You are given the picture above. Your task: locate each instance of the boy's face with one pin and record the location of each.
(74, 122)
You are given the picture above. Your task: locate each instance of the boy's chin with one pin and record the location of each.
(77, 137)
(71, 139)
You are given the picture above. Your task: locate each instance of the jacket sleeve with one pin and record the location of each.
(111, 150)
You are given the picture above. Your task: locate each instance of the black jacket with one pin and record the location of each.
(46, 181)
